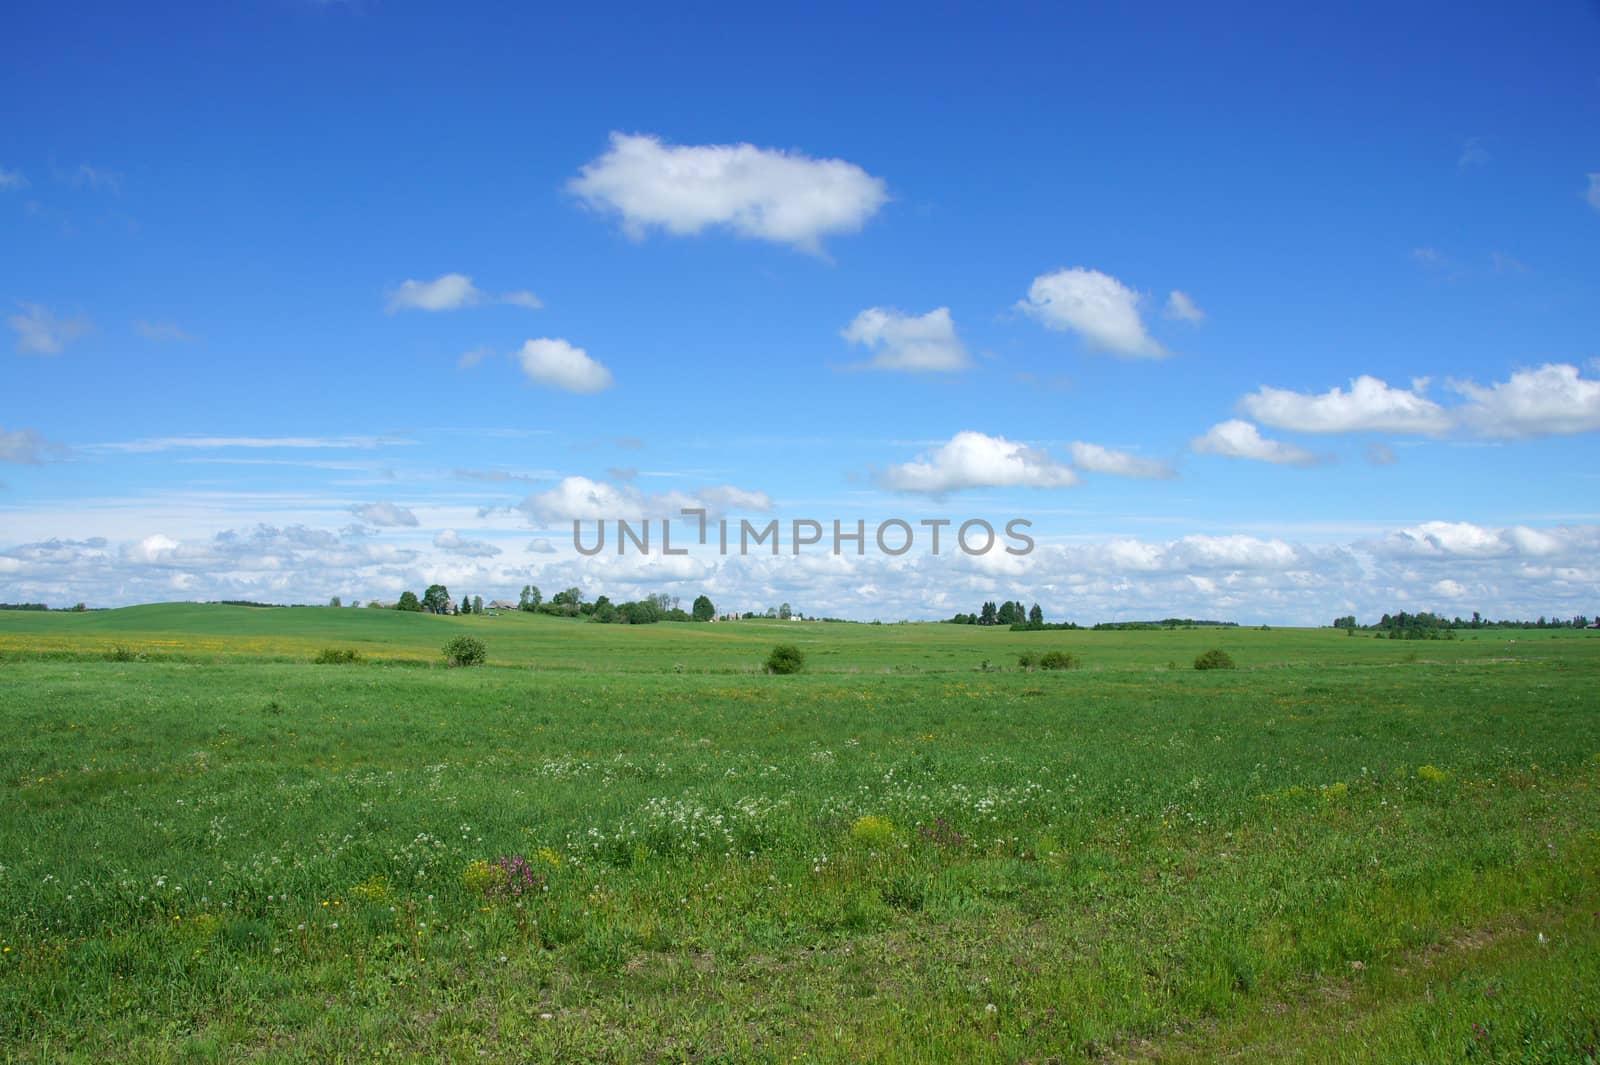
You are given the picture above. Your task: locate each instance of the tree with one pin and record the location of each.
(988, 616)
(408, 601)
(535, 597)
(477, 604)
(1035, 615)
(436, 599)
(1007, 614)
(466, 605)
(785, 612)
(335, 602)
(1346, 622)
(703, 609)
(569, 597)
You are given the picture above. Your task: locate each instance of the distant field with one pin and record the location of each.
(1348, 849)
(195, 632)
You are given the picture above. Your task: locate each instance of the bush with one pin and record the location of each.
(120, 653)
(1028, 660)
(465, 651)
(1057, 660)
(337, 656)
(785, 658)
(872, 830)
(1214, 659)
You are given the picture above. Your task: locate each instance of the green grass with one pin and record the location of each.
(226, 852)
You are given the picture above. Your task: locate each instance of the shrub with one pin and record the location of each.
(337, 656)
(1057, 660)
(124, 654)
(1214, 659)
(465, 651)
(1028, 660)
(872, 830)
(785, 658)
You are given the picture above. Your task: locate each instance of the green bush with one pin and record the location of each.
(1057, 660)
(785, 658)
(1214, 659)
(120, 653)
(337, 656)
(1028, 660)
(465, 651)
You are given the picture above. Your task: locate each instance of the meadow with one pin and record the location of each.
(1347, 849)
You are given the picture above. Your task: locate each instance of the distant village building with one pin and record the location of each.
(501, 604)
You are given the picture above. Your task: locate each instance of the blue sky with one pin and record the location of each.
(1266, 316)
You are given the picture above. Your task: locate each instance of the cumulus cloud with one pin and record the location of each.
(766, 194)
(1181, 305)
(1369, 406)
(385, 514)
(1554, 399)
(908, 342)
(975, 460)
(1092, 458)
(582, 499)
(1447, 540)
(554, 363)
(1099, 308)
(541, 546)
(453, 292)
(453, 543)
(1238, 439)
(40, 332)
(448, 292)
(21, 445)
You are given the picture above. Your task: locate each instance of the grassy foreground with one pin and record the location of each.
(1349, 850)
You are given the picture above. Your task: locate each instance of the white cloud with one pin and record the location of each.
(523, 298)
(1181, 305)
(40, 332)
(1098, 307)
(469, 359)
(908, 342)
(1461, 540)
(557, 364)
(1237, 439)
(21, 445)
(976, 460)
(1370, 406)
(453, 292)
(727, 497)
(1594, 191)
(1092, 458)
(1554, 399)
(449, 292)
(453, 543)
(161, 331)
(541, 546)
(580, 499)
(12, 179)
(784, 197)
(386, 514)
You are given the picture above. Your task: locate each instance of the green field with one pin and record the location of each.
(1348, 849)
